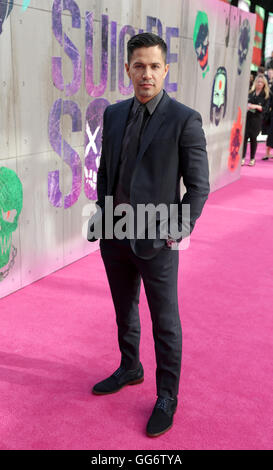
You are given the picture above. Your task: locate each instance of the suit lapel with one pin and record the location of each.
(117, 132)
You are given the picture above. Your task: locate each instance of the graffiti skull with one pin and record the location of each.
(235, 145)
(11, 201)
(244, 39)
(235, 142)
(201, 39)
(219, 96)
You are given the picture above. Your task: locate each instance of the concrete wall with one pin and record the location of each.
(61, 64)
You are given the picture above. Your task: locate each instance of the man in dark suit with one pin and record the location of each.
(149, 142)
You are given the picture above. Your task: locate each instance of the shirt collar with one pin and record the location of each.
(150, 105)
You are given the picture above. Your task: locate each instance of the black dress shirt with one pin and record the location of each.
(121, 195)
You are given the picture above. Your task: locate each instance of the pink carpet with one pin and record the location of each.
(58, 338)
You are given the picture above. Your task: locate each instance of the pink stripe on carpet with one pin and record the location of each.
(58, 338)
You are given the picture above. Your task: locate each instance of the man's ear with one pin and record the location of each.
(166, 69)
(127, 68)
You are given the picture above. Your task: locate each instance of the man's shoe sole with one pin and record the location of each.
(133, 382)
(159, 433)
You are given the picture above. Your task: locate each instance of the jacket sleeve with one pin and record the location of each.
(266, 105)
(194, 169)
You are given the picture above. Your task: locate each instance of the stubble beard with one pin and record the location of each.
(147, 93)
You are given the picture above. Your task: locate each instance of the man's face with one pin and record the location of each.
(147, 70)
(259, 84)
(270, 74)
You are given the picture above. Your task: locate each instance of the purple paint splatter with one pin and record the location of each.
(152, 22)
(171, 58)
(57, 27)
(75, 57)
(91, 88)
(55, 138)
(113, 55)
(69, 48)
(124, 90)
(72, 6)
(70, 156)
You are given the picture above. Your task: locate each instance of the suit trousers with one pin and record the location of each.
(159, 275)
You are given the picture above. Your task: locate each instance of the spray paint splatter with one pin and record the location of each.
(25, 4)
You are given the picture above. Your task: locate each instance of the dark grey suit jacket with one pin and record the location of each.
(173, 146)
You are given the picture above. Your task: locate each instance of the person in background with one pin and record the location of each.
(269, 62)
(268, 126)
(269, 77)
(257, 102)
(251, 80)
(267, 114)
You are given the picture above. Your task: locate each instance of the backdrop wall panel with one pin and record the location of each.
(61, 64)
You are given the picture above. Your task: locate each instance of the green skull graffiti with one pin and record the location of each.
(201, 40)
(11, 201)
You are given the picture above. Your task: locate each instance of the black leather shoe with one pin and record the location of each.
(119, 379)
(161, 419)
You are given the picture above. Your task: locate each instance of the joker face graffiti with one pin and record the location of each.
(201, 40)
(219, 96)
(244, 39)
(5, 9)
(11, 201)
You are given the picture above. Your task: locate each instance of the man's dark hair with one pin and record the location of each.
(145, 40)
